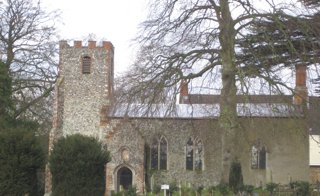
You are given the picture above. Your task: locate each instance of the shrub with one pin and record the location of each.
(271, 187)
(301, 188)
(235, 177)
(132, 191)
(157, 189)
(21, 156)
(248, 189)
(223, 189)
(188, 191)
(173, 188)
(77, 165)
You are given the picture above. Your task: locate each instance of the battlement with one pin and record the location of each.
(90, 44)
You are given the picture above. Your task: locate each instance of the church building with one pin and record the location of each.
(183, 148)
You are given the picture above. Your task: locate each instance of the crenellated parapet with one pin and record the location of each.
(90, 45)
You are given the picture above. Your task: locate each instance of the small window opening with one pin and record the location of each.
(86, 65)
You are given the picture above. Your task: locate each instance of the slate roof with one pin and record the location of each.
(195, 111)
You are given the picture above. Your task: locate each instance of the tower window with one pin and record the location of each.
(86, 65)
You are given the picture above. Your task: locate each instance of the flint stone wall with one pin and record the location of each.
(285, 140)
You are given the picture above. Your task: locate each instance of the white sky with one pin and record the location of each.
(110, 20)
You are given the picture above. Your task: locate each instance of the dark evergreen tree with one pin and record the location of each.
(77, 164)
(21, 157)
(280, 41)
(235, 177)
(5, 95)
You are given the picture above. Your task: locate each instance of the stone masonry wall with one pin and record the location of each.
(126, 146)
(85, 94)
(285, 139)
(134, 134)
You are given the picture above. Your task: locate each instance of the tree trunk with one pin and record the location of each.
(228, 110)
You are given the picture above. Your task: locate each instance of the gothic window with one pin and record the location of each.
(258, 157)
(189, 155)
(254, 157)
(158, 151)
(262, 158)
(198, 155)
(194, 154)
(86, 65)
(154, 154)
(163, 153)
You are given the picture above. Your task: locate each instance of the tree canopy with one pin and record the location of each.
(28, 50)
(21, 157)
(229, 46)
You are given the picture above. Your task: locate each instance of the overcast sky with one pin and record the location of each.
(110, 20)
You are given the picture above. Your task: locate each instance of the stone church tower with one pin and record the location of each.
(84, 87)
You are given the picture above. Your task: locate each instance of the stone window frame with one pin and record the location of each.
(86, 64)
(258, 156)
(194, 160)
(155, 149)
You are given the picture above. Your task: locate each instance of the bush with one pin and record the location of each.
(272, 187)
(21, 156)
(222, 188)
(173, 188)
(248, 189)
(188, 191)
(77, 165)
(132, 191)
(235, 177)
(302, 188)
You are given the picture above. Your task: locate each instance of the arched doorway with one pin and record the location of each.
(124, 178)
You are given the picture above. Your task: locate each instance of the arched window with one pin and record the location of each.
(258, 157)
(189, 155)
(154, 154)
(163, 153)
(158, 151)
(194, 154)
(86, 64)
(262, 158)
(198, 155)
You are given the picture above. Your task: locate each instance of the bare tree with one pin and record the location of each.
(28, 50)
(186, 40)
(315, 21)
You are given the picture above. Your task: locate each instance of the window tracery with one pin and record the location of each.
(158, 151)
(194, 154)
(258, 156)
